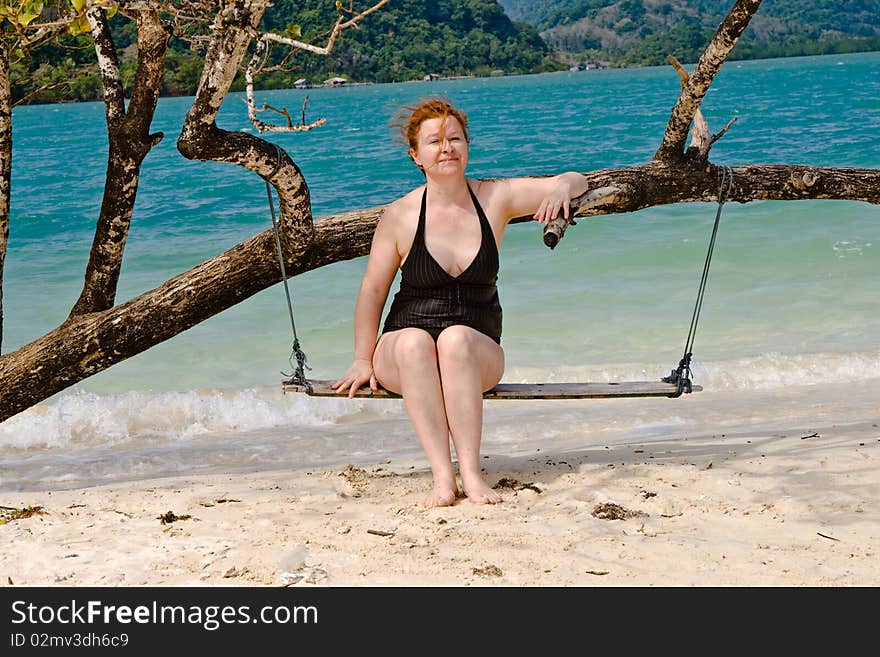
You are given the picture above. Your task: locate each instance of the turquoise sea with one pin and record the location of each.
(788, 333)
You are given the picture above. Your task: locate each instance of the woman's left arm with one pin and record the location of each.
(543, 198)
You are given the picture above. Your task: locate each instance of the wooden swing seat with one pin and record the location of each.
(321, 388)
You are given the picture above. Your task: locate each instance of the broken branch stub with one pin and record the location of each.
(555, 230)
(701, 140)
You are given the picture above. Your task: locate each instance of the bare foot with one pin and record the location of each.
(439, 497)
(443, 493)
(478, 491)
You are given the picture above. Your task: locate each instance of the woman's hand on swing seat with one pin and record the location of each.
(360, 372)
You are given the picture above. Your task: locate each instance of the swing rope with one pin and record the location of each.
(681, 376)
(298, 377)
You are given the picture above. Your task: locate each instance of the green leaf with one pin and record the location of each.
(79, 26)
(78, 5)
(293, 31)
(25, 18)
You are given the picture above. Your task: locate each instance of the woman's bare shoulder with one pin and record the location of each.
(492, 194)
(401, 210)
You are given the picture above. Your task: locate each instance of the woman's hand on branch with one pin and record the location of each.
(565, 187)
(360, 372)
(558, 199)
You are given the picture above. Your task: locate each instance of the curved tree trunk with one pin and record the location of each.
(5, 164)
(130, 140)
(87, 344)
(201, 139)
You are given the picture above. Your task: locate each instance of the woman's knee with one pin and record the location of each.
(414, 346)
(458, 342)
(461, 348)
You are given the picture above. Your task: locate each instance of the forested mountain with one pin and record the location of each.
(408, 39)
(404, 40)
(633, 32)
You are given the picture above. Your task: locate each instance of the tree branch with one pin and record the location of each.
(129, 140)
(261, 52)
(86, 345)
(340, 25)
(108, 64)
(250, 72)
(5, 164)
(201, 139)
(728, 33)
(616, 191)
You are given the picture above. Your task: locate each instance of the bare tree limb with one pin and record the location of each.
(201, 139)
(130, 140)
(718, 135)
(257, 64)
(24, 100)
(108, 65)
(701, 140)
(5, 164)
(86, 345)
(340, 25)
(728, 33)
(249, 74)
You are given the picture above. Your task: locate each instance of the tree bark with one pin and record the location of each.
(201, 139)
(130, 140)
(5, 164)
(693, 92)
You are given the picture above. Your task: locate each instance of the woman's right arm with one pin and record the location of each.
(382, 265)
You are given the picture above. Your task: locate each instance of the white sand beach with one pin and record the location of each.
(774, 505)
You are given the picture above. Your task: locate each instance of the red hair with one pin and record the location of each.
(411, 118)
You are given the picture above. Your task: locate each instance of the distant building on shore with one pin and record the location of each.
(430, 77)
(334, 82)
(588, 66)
(302, 83)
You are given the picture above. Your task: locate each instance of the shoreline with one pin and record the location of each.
(567, 70)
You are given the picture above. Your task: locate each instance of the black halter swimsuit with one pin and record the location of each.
(432, 299)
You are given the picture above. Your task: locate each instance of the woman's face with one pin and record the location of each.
(442, 147)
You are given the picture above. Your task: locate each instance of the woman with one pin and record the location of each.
(440, 346)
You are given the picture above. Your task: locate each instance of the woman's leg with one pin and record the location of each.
(470, 364)
(405, 362)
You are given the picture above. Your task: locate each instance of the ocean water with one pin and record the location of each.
(789, 326)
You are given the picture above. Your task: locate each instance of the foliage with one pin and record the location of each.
(635, 32)
(405, 40)
(10, 513)
(408, 39)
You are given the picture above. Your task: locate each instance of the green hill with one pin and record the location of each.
(408, 39)
(637, 32)
(405, 40)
